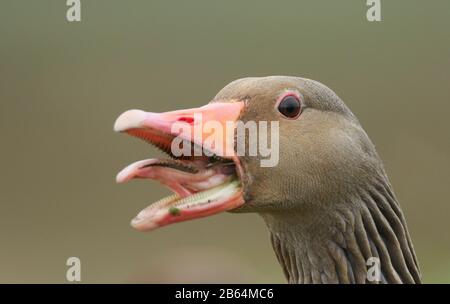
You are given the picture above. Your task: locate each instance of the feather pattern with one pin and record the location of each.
(374, 228)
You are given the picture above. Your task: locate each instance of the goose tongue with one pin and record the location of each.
(181, 177)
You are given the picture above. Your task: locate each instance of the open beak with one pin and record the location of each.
(204, 171)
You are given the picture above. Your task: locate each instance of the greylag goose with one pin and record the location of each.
(328, 204)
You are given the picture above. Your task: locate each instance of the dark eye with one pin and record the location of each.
(290, 106)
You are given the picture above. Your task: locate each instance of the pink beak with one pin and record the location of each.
(210, 127)
(212, 121)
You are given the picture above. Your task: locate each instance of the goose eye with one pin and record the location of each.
(290, 106)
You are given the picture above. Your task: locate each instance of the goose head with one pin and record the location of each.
(321, 189)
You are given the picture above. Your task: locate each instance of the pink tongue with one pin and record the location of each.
(176, 180)
(135, 170)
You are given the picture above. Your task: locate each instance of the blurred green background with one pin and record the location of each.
(63, 84)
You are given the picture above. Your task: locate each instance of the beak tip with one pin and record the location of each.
(140, 225)
(129, 119)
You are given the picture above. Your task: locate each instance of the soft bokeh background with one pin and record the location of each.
(63, 84)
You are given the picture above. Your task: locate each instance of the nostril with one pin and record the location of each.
(188, 120)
